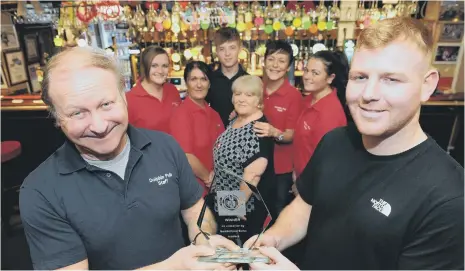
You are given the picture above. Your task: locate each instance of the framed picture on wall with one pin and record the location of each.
(34, 70)
(32, 51)
(447, 53)
(451, 10)
(16, 67)
(451, 32)
(9, 37)
(45, 44)
(4, 82)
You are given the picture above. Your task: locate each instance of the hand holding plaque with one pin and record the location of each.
(240, 213)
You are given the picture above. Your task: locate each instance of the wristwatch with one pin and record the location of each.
(280, 137)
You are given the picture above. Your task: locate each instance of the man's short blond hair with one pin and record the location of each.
(389, 30)
(74, 59)
(249, 84)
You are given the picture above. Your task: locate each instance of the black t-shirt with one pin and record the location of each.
(402, 211)
(220, 93)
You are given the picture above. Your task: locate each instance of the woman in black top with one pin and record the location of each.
(239, 154)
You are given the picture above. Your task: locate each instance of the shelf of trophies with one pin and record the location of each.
(198, 45)
(186, 29)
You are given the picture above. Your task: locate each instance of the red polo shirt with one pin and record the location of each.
(282, 108)
(146, 111)
(313, 123)
(196, 130)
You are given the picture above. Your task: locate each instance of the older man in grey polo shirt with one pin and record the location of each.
(110, 197)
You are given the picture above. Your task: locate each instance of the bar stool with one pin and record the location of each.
(10, 150)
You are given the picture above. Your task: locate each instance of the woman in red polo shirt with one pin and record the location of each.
(195, 125)
(152, 100)
(325, 79)
(282, 103)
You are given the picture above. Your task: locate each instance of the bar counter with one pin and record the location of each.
(34, 103)
(22, 103)
(25, 118)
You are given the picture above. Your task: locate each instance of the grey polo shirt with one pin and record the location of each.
(72, 210)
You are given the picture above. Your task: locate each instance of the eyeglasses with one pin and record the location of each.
(255, 192)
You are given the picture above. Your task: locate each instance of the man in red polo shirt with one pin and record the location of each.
(195, 125)
(282, 104)
(152, 101)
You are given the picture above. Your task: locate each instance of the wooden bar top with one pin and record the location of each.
(444, 103)
(455, 99)
(28, 102)
(34, 102)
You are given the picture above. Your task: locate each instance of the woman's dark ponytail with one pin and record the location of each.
(341, 83)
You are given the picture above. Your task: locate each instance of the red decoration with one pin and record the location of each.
(86, 12)
(109, 9)
(308, 5)
(183, 4)
(290, 6)
(155, 5)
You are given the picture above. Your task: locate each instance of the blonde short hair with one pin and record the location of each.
(74, 59)
(250, 84)
(389, 30)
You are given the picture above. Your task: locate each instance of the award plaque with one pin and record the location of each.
(240, 212)
(241, 256)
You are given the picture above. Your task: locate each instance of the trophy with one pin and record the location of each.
(240, 213)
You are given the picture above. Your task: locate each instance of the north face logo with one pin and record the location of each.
(280, 109)
(381, 206)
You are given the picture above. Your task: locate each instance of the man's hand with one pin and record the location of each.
(278, 261)
(187, 259)
(264, 240)
(232, 115)
(263, 129)
(217, 241)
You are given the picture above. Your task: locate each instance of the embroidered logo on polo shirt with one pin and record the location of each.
(280, 109)
(162, 179)
(306, 126)
(381, 206)
(174, 104)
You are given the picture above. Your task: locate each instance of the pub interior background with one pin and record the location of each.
(33, 31)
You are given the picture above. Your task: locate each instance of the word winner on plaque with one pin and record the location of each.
(231, 205)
